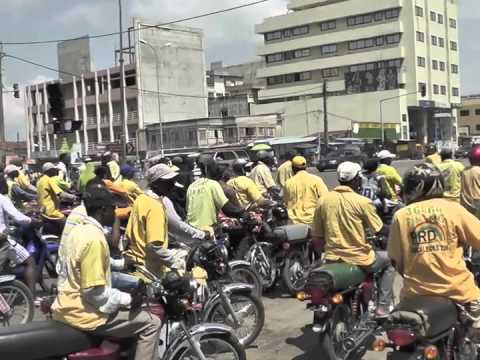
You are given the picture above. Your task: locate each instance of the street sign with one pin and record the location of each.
(130, 148)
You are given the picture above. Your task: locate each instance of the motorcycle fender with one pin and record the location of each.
(235, 288)
(196, 332)
(4, 279)
(320, 322)
(236, 263)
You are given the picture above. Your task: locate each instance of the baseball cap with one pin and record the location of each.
(347, 171)
(299, 162)
(48, 166)
(11, 168)
(385, 154)
(160, 171)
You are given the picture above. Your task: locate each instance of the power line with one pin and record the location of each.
(221, 11)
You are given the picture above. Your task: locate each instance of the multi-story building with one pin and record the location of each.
(375, 57)
(469, 119)
(173, 55)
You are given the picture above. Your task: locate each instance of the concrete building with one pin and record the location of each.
(469, 119)
(374, 56)
(94, 97)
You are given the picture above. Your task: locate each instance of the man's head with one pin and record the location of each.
(99, 203)
(430, 150)
(210, 169)
(161, 179)
(238, 168)
(17, 162)
(49, 169)
(12, 171)
(265, 157)
(102, 172)
(299, 163)
(348, 174)
(178, 162)
(106, 156)
(127, 171)
(423, 182)
(370, 165)
(65, 158)
(385, 157)
(474, 156)
(446, 154)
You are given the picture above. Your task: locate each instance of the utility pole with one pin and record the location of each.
(325, 117)
(2, 119)
(123, 113)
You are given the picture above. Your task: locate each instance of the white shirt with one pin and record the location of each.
(9, 211)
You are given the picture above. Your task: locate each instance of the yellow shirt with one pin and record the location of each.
(148, 223)
(76, 217)
(246, 191)
(470, 194)
(284, 172)
(434, 159)
(48, 197)
(205, 198)
(341, 219)
(262, 177)
(426, 243)
(132, 189)
(23, 181)
(451, 171)
(84, 262)
(302, 193)
(392, 178)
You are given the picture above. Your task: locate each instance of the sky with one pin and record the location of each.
(229, 37)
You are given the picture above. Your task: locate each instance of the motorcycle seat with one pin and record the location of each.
(43, 339)
(429, 315)
(293, 233)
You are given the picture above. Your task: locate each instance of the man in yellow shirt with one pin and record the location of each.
(427, 239)
(22, 179)
(391, 175)
(86, 299)
(432, 156)
(49, 193)
(262, 175)
(470, 194)
(302, 192)
(246, 190)
(128, 173)
(285, 171)
(340, 224)
(451, 172)
(147, 229)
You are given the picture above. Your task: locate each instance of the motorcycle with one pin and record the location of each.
(171, 301)
(234, 304)
(343, 300)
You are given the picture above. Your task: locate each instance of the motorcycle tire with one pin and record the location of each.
(329, 341)
(50, 266)
(268, 280)
(293, 262)
(245, 274)
(27, 295)
(241, 250)
(213, 342)
(218, 314)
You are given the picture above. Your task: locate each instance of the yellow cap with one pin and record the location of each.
(299, 162)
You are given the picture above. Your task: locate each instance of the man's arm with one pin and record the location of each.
(177, 226)
(318, 235)
(468, 228)
(394, 246)
(370, 216)
(13, 213)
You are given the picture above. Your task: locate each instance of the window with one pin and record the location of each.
(477, 127)
(273, 36)
(454, 69)
(419, 11)
(455, 91)
(477, 111)
(359, 20)
(274, 80)
(393, 39)
(435, 89)
(440, 18)
(306, 75)
(332, 72)
(378, 16)
(464, 112)
(287, 33)
(289, 78)
(274, 58)
(441, 42)
(421, 87)
(443, 90)
(328, 25)
(442, 66)
(380, 40)
(329, 49)
(433, 16)
(453, 23)
(301, 53)
(421, 61)
(434, 40)
(369, 43)
(434, 64)
(420, 36)
(391, 14)
(453, 46)
(301, 30)
(211, 95)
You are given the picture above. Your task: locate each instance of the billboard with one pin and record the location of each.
(371, 80)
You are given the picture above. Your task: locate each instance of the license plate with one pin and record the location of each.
(4, 306)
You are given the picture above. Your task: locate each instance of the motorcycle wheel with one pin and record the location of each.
(245, 274)
(332, 340)
(20, 299)
(265, 267)
(50, 266)
(294, 271)
(250, 313)
(225, 347)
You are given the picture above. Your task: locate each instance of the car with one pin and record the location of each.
(463, 151)
(226, 157)
(334, 158)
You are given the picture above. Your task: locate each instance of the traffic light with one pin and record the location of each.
(16, 91)
(423, 90)
(56, 101)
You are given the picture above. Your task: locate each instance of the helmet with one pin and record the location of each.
(423, 182)
(263, 155)
(474, 155)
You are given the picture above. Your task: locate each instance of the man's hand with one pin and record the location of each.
(138, 295)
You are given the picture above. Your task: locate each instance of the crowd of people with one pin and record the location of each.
(428, 215)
